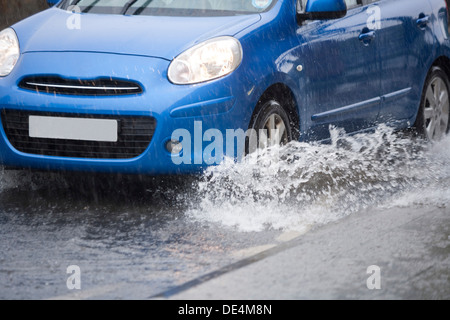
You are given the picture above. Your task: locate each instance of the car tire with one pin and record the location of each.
(433, 118)
(269, 118)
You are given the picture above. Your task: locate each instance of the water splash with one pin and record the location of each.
(301, 184)
(290, 188)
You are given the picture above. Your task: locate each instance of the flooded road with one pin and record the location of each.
(138, 237)
(135, 233)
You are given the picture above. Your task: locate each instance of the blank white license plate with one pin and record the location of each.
(101, 130)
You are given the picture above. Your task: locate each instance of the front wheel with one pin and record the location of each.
(434, 113)
(271, 126)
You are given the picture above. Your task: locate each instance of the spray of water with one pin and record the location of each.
(290, 188)
(301, 185)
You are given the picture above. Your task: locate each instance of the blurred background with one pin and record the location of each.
(12, 11)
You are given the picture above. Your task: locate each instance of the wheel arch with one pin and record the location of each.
(444, 63)
(283, 94)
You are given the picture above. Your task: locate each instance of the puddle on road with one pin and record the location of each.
(118, 230)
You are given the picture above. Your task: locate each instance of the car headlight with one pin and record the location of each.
(209, 60)
(9, 51)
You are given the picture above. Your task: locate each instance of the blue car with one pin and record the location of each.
(174, 86)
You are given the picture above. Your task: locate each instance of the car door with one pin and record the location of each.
(340, 72)
(406, 48)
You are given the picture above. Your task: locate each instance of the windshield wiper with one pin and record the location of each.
(141, 8)
(74, 3)
(91, 6)
(127, 6)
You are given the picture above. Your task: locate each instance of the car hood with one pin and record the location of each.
(154, 36)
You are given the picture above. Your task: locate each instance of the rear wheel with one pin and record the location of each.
(434, 113)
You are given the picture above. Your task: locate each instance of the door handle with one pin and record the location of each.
(367, 37)
(423, 21)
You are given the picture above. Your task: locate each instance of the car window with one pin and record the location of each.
(171, 7)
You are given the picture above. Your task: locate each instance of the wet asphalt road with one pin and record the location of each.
(303, 227)
(132, 241)
(410, 247)
(128, 236)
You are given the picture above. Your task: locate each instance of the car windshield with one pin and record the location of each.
(169, 7)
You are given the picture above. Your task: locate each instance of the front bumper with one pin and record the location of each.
(214, 105)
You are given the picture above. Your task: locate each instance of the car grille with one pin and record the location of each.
(97, 87)
(134, 137)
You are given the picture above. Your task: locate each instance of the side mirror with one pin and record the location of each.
(51, 3)
(323, 10)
